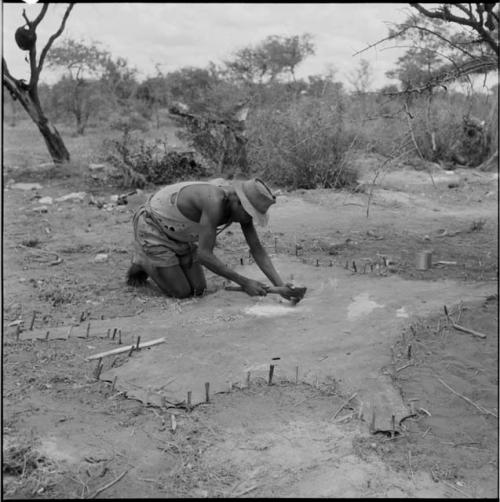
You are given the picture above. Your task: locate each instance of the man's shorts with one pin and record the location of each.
(153, 245)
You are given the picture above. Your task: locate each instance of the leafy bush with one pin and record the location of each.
(304, 145)
(144, 162)
(436, 128)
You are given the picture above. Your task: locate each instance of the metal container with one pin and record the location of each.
(423, 260)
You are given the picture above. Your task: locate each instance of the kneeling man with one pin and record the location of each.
(176, 229)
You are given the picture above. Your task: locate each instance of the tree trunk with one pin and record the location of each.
(30, 102)
(55, 144)
(13, 117)
(80, 125)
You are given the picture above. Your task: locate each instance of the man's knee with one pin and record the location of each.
(172, 281)
(181, 292)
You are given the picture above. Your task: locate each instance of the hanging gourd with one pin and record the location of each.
(25, 38)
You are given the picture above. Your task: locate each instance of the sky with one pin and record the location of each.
(175, 35)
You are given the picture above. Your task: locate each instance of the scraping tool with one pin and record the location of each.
(295, 292)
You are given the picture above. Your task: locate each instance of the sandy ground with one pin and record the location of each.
(67, 434)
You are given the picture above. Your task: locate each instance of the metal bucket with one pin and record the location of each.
(424, 260)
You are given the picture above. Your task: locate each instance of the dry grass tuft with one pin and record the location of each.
(26, 472)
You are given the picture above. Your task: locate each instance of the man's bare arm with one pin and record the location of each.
(207, 258)
(260, 254)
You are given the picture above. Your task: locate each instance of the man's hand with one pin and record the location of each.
(289, 295)
(254, 288)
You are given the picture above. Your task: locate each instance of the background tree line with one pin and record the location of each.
(296, 131)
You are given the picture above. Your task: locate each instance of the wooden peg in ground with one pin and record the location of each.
(33, 319)
(271, 373)
(372, 424)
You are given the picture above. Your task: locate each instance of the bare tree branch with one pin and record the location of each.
(32, 55)
(444, 39)
(7, 79)
(390, 37)
(480, 12)
(28, 22)
(466, 11)
(53, 37)
(33, 71)
(40, 16)
(419, 28)
(446, 15)
(5, 69)
(479, 65)
(443, 15)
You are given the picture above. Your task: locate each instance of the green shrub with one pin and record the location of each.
(303, 145)
(142, 162)
(435, 127)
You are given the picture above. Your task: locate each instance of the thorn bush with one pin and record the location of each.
(304, 145)
(142, 162)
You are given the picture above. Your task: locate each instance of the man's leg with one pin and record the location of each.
(154, 257)
(171, 280)
(196, 277)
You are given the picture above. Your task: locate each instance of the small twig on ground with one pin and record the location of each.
(38, 250)
(159, 416)
(109, 485)
(448, 318)
(147, 480)
(409, 463)
(244, 492)
(480, 408)
(462, 328)
(460, 310)
(85, 488)
(404, 366)
(344, 404)
(455, 488)
(345, 418)
(468, 331)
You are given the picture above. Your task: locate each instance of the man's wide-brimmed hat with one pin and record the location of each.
(256, 198)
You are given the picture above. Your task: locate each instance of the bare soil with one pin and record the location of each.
(67, 434)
